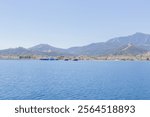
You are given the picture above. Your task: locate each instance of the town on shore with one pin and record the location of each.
(144, 57)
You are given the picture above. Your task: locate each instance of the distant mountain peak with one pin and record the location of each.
(140, 34)
(42, 47)
(46, 48)
(136, 39)
(20, 48)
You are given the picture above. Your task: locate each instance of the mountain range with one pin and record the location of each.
(135, 44)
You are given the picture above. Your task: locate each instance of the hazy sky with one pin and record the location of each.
(66, 23)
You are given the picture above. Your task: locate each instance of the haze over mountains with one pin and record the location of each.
(135, 44)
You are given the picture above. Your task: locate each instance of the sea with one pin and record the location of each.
(74, 80)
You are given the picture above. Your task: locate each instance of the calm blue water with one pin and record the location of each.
(25, 79)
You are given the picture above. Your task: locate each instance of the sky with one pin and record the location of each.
(67, 23)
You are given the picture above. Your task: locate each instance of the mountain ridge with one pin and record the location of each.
(139, 43)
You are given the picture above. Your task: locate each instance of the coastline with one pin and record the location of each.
(78, 58)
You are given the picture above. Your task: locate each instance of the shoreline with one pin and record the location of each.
(79, 58)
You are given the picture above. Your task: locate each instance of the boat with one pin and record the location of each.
(52, 59)
(46, 59)
(75, 59)
(66, 59)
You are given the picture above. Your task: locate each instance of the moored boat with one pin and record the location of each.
(46, 59)
(75, 59)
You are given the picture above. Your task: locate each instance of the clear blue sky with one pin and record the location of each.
(66, 23)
